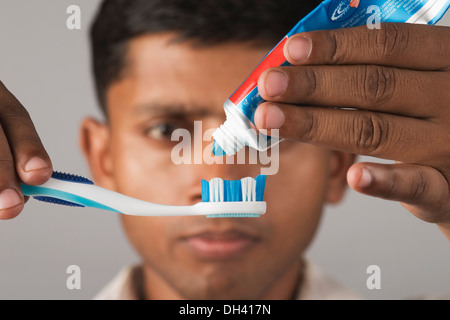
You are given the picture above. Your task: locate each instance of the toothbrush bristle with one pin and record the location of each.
(244, 190)
(57, 201)
(70, 177)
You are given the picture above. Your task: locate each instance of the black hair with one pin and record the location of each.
(205, 22)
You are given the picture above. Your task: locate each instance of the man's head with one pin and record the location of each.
(161, 65)
(204, 23)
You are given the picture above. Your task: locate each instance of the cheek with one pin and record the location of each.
(142, 232)
(296, 195)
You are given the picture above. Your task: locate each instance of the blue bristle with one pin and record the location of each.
(70, 177)
(260, 186)
(57, 201)
(205, 191)
(227, 195)
(235, 190)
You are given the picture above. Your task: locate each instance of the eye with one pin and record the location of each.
(161, 131)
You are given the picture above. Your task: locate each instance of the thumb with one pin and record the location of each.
(422, 190)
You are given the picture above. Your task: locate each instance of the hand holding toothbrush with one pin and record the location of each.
(396, 80)
(22, 155)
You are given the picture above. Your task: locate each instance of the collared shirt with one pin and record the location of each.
(315, 285)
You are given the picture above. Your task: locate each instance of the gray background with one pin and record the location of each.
(48, 68)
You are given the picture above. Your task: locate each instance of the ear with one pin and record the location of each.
(340, 162)
(94, 141)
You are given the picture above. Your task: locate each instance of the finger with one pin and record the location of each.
(360, 132)
(32, 162)
(11, 198)
(394, 44)
(368, 87)
(422, 190)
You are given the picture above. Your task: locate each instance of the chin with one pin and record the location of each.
(222, 283)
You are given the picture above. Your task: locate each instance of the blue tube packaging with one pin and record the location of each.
(238, 129)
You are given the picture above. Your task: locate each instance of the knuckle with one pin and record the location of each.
(391, 40)
(310, 79)
(7, 168)
(29, 143)
(7, 104)
(3, 88)
(18, 111)
(392, 187)
(378, 85)
(370, 133)
(309, 126)
(335, 53)
(442, 202)
(5, 98)
(418, 185)
(342, 45)
(11, 109)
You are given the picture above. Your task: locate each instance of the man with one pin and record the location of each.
(162, 65)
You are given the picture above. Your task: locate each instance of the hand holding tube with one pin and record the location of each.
(397, 80)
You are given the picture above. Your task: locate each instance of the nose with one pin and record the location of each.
(235, 167)
(227, 171)
(227, 168)
(207, 166)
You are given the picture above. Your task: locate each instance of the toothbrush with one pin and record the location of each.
(220, 198)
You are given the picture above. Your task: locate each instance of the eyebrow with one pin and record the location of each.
(172, 109)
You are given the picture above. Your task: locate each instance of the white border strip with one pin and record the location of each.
(427, 12)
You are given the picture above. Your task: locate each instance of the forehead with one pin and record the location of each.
(159, 69)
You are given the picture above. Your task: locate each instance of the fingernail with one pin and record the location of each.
(276, 83)
(9, 198)
(299, 48)
(366, 178)
(274, 117)
(34, 164)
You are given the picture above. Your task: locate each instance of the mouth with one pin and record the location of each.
(211, 245)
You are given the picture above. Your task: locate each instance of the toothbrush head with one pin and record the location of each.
(244, 190)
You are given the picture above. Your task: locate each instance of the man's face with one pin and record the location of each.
(168, 86)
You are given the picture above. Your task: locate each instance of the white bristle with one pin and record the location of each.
(248, 189)
(245, 185)
(216, 190)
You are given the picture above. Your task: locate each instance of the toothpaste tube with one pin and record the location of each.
(238, 129)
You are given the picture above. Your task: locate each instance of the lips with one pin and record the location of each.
(212, 245)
